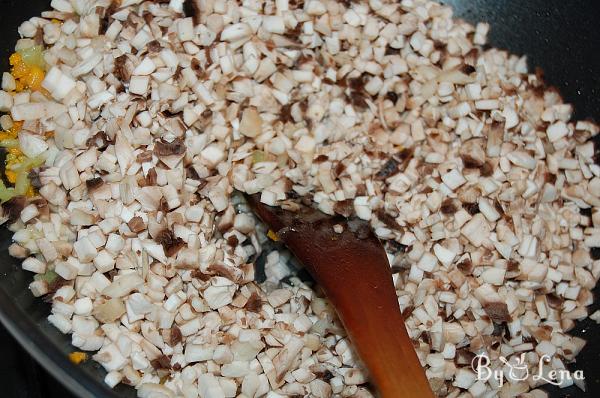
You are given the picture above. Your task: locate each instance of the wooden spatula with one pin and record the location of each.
(353, 270)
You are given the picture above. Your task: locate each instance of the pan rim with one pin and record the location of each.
(47, 354)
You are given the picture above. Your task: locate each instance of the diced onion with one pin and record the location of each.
(31, 163)
(48, 277)
(33, 56)
(9, 143)
(259, 156)
(22, 184)
(6, 193)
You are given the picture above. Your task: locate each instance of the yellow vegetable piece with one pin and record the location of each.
(259, 156)
(11, 143)
(6, 193)
(14, 130)
(273, 236)
(35, 78)
(19, 68)
(15, 59)
(22, 184)
(77, 357)
(28, 68)
(29, 163)
(14, 156)
(11, 176)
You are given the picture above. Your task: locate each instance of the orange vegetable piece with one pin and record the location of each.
(15, 59)
(272, 235)
(11, 176)
(77, 357)
(35, 78)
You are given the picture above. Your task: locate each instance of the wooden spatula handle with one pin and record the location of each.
(353, 270)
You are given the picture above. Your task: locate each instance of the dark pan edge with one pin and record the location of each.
(39, 346)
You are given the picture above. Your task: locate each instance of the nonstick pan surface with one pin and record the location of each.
(561, 37)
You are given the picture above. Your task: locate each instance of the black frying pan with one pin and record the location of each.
(562, 37)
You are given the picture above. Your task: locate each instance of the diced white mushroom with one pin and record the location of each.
(198, 353)
(34, 265)
(235, 32)
(185, 29)
(60, 322)
(209, 386)
(274, 24)
(6, 101)
(139, 85)
(29, 213)
(123, 285)
(445, 256)
(427, 262)
(494, 276)
(85, 249)
(58, 83)
(477, 230)
(38, 288)
(146, 67)
(453, 179)
(557, 131)
(251, 123)
(110, 358)
(37, 110)
(522, 159)
(218, 296)
(66, 270)
(8, 82)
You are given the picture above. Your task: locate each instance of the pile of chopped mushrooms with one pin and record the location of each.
(153, 114)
